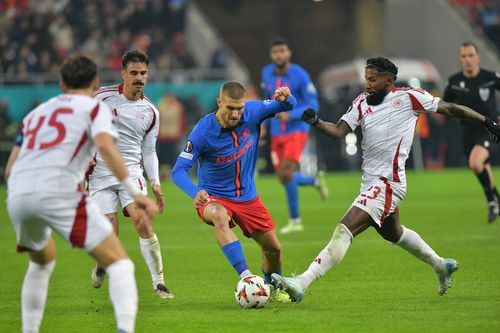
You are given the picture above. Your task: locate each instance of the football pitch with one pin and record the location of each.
(378, 287)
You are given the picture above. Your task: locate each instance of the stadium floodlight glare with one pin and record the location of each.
(351, 139)
(351, 149)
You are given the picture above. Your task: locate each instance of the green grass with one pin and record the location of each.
(377, 288)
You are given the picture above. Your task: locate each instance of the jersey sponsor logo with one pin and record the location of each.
(189, 147)
(484, 93)
(234, 156)
(267, 101)
(186, 155)
(397, 103)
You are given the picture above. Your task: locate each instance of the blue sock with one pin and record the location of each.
(302, 179)
(292, 197)
(267, 276)
(234, 253)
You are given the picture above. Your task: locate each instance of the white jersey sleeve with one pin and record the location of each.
(353, 115)
(102, 121)
(422, 101)
(149, 157)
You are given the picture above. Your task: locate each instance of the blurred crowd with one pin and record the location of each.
(484, 14)
(36, 35)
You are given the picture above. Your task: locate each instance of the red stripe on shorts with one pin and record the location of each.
(388, 200)
(79, 231)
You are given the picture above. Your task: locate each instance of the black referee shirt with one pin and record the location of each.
(478, 93)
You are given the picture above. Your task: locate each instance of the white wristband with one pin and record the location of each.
(154, 182)
(130, 187)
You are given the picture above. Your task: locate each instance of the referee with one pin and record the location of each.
(475, 87)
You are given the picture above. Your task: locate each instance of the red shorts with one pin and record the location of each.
(250, 215)
(288, 146)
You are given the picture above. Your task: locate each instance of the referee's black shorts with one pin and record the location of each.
(479, 137)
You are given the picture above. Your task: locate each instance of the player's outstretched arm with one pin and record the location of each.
(453, 110)
(337, 131)
(107, 148)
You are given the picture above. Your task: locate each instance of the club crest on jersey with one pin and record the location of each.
(484, 93)
(397, 103)
(189, 147)
(244, 135)
(462, 84)
(142, 117)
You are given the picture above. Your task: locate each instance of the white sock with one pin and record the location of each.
(245, 273)
(330, 256)
(150, 249)
(34, 294)
(296, 220)
(413, 243)
(123, 293)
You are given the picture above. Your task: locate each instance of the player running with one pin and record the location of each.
(137, 121)
(288, 133)
(475, 87)
(387, 116)
(59, 138)
(225, 144)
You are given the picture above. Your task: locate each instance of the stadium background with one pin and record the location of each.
(194, 46)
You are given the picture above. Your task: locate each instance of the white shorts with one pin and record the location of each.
(74, 216)
(379, 197)
(110, 198)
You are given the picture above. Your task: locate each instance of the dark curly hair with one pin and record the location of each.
(383, 65)
(134, 56)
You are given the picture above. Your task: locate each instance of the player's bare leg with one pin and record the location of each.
(271, 261)
(216, 215)
(35, 286)
(150, 249)
(98, 272)
(354, 222)
(409, 240)
(286, 172)
(122, 286)
(478, 158)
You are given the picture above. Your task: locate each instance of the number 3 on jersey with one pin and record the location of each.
(31, 132)
(376, 192)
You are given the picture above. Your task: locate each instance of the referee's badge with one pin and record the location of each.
(484, 93)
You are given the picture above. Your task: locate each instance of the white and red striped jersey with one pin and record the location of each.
(137, 123)
(388, 129)
(57, 144)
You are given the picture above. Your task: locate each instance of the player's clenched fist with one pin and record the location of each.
(282, 93)
(310, 116)
(200, 199)
(147, 204)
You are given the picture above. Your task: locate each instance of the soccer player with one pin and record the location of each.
(288, 133)
(475, 87)
(387, 116)
(137, 122)
(225, 144)
(59, 138)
